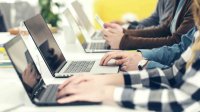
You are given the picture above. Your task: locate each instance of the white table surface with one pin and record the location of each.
(13, 94)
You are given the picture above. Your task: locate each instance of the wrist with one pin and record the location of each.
(108, 94)
(142, 64)
(115, 79)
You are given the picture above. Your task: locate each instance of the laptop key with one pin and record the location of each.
(80, 66)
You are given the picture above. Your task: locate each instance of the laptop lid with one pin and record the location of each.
(46, 43)
(74, 26)
(25, 67)
(82, 18)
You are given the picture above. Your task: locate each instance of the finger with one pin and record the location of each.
(125, 64)
(123, 68)
(113, 56)
(104, 31)
(104, 57)
(107, 33)
(111, 25)
(113, 30)
(67, 81)
(105, 38)
(67, 90)
(121, 61)
(71, 98)
(106, 25)
(80, 79)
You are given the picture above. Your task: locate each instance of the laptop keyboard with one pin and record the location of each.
(98, 46)
(80, 66)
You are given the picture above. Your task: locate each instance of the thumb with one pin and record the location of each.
(111, 25)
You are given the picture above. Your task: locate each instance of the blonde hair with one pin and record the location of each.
(196, 45)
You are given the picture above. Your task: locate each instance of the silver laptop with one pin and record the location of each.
(39, 93)
(53, 56)
(84, 23)
(89, 46)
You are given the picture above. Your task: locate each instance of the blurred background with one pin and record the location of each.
(12, 12)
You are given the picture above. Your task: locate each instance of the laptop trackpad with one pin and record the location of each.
(104, 69)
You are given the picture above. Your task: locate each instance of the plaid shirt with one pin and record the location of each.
(173, 89)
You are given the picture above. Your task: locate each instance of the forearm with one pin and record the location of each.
(131, 43)
(158, 31)
(113, 79)
(165, 55)
(155, 100)
(154, 64)
(156, 78)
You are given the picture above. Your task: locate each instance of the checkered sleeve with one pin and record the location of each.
(183, 93)
(157, 78)
(184, 97)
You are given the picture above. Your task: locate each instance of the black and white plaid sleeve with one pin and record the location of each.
(157, 78)
(182, 93)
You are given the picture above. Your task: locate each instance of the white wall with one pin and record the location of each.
(32, 2)
(87, 5)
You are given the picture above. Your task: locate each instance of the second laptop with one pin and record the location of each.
(53, 56)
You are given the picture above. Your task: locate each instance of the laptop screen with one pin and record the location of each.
(24, 66)
(74, 26)
(82, 17)
(46, 43)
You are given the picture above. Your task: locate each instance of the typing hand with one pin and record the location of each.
(113, 34)
(85, 92)
(127, 59)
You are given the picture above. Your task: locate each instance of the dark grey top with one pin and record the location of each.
(163, 10)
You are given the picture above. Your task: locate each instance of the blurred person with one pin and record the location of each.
(163, 10)
(173, 89)
(168, 33)
(162, 57)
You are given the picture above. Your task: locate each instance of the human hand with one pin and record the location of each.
(87, 91)
(118, 22)
(113, 34)
(102, 79)
(128, 60)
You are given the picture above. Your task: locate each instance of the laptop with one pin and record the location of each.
(84, 23)
(39, 93)
(88, 46)
(53, 56)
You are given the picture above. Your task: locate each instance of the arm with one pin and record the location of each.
(166, 55)
(158, 78)
(163, 10)
(184, 93)
(157, 37)
(173, 99)
(154, 64)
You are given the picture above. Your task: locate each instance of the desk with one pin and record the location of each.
(13, 93)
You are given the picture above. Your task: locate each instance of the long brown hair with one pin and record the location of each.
(196, 45)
